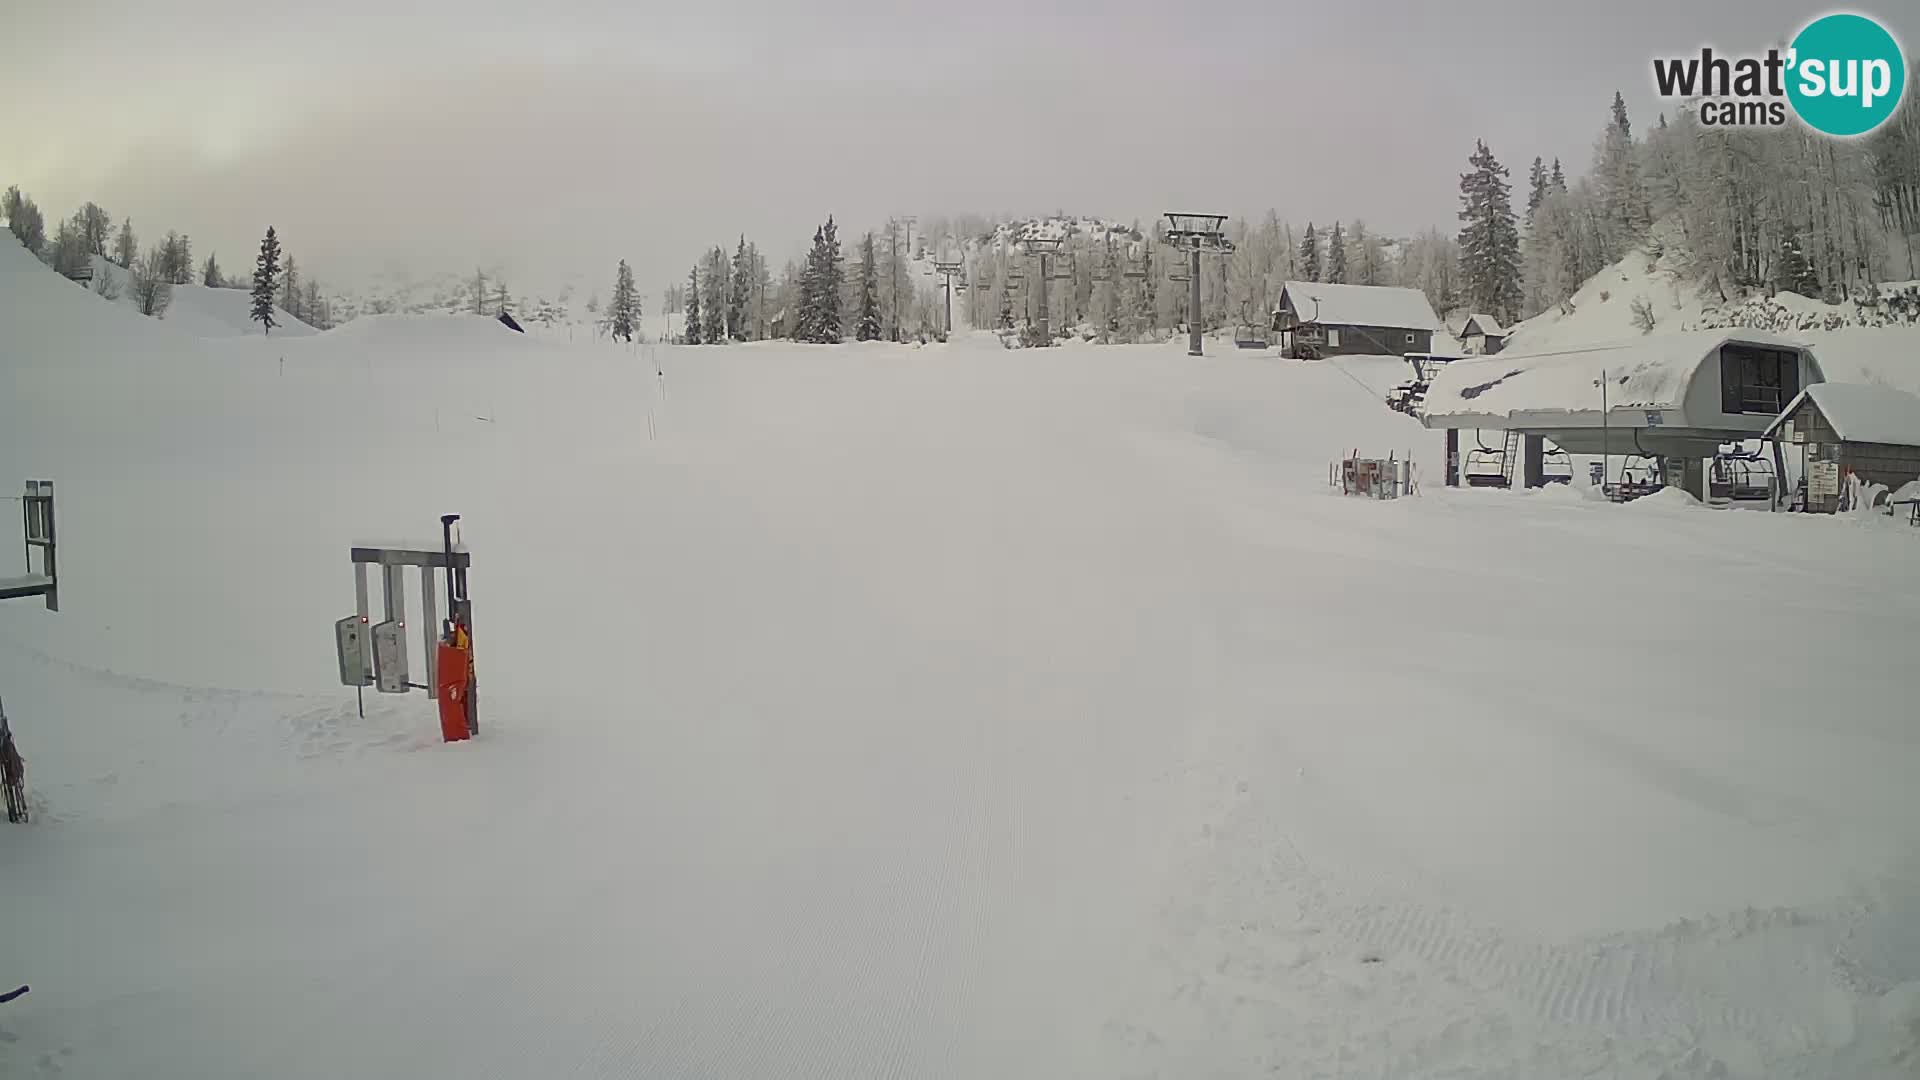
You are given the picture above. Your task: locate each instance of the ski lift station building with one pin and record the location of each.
(1677, 395)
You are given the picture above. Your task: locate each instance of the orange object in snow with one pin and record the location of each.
(453, 669)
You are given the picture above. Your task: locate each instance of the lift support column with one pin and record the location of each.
(1453, 457)
(1533, 459)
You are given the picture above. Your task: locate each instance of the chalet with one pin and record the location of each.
(1483, 335)
(1851, 431)
(1316, 319)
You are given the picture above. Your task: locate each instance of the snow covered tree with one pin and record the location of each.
(1368, 263)
(10, 201)
(125, 247)
(476, 294)
(1489, 239)
(1336, 256)
(313, 305)
(178, 252)
(1558, 179)
(1623, 199)
(69, 247)
(739, 286)
(1791, 270)
(713, 303)
(96, 228)
(692, 320)
(1537, 187)
(153, 282)
(820, 287)
(867, 326)
(210, 273)
(290, 289)
(25, 221)
(501, 301)
(1310, 255)
(623, 314)
(266, 280)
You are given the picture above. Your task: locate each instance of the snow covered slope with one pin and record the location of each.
(951, 711)
(203, 312)
(1855, 342)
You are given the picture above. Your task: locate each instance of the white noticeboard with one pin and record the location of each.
(1823, 479)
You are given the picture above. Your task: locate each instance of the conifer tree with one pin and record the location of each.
(692, 331)
(210, 274)
(290, 288)
(623, 314)
(740, 279)
(266, 281)
(1310, 255)
(126, 248)
(1489, 240)
(1536, 190)
(713, 305)
(1336, 256)
(868, 326)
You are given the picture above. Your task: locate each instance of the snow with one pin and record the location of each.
(949, 711)
(1362, 305)
(1864, 413)
(203, 312)
(1651, 372)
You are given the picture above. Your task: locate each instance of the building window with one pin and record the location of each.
(1333, 338)
(1757, 380)
(1409, 339)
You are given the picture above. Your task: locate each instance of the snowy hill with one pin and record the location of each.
(948, 711)
(196, 309)
(1873, 341)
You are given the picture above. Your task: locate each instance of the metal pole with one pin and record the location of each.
(1193, 306)
(1606, 449)
(1453, 457)
(1046, 333)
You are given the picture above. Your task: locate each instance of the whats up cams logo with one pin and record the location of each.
(1843, 75)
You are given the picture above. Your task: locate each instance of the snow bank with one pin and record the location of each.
(200, 311)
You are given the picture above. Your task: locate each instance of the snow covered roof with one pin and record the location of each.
(1652, 372)
(1861, 412)
(1360, 305)
(1044, 230)
(1485, 324)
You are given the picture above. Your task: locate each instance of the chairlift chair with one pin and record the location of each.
(1484, 465)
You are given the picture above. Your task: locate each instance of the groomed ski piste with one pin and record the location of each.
(921, 712)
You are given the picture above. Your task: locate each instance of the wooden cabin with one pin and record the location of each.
(1315, 319)
(1483, 335)
(1848, 431)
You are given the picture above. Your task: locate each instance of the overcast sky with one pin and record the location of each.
(559, 137)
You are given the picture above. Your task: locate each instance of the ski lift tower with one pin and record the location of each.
(946, 268)
(1196, 234)
(1043, 239)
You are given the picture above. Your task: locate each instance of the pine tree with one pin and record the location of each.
(1310, 255)
(713, 305)
(692, 332)
(1558, 178)
(1336, 257)
(312, 304)
(266, 280)
(832, 281)
(290, 289)
(1536, 190)
(10, 202)
(1368, 266)
(126, 248)
(740, 281)
(24, 220)
(500, 300)
(210, 274)
(623, 314)
(868, 326)
(1620, 123)
(477, 297)
(1489, 240)
(1623, 199)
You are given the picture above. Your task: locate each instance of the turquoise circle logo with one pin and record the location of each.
(1846, 74)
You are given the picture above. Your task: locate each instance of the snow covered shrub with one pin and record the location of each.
(1643, 315)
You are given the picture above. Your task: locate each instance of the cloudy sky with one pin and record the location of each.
(558, 137)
